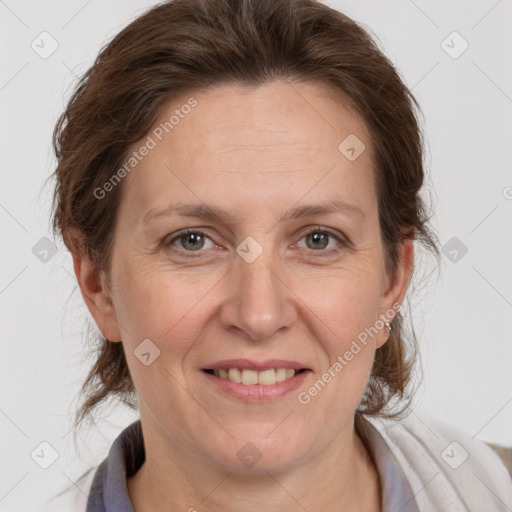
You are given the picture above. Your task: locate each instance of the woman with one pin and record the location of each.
(238, 183)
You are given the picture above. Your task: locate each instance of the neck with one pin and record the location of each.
(341, 477)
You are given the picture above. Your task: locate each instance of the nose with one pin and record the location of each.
(260, 303)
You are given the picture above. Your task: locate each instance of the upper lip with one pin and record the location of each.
(249, 364)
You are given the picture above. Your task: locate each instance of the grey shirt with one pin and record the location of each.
(109, 492)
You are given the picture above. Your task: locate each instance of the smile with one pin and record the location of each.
(250, 377)
(256, 381)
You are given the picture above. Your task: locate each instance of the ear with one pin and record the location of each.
(94, 290)
(395, 287)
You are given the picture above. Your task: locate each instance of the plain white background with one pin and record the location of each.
(463, 317)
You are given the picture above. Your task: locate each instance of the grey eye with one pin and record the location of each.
(317, 240)
(192, 241)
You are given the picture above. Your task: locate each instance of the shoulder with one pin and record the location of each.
(445, 465)
(73, 497)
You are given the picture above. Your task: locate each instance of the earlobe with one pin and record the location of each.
(394, 293)
(92, 283)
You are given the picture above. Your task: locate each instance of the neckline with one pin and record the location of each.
(109, 491)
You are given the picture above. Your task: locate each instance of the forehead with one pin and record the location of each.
(267, 143)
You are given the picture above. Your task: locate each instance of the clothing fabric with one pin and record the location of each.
(424, 465)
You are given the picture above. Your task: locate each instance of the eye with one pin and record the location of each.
(191, 241)
(317, 239)
(320, 239)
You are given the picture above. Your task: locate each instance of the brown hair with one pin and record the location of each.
(182, 46)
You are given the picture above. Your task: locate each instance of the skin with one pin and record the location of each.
(256, 153)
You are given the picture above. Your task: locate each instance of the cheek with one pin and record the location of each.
(347, 309)
(164, 306)
(346, 302)
(169, 310)
(172, 308)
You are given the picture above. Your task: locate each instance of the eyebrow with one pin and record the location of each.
(215, 214)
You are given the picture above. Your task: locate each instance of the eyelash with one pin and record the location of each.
(343, 242)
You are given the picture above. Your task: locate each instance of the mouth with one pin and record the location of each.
(256, 381)
(248, 377)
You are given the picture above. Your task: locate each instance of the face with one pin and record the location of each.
(248, 240)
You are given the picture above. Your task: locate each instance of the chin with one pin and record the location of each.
(262, 453)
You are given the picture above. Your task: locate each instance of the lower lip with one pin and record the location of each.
(257, 392)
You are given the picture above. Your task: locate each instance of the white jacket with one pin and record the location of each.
(446, 469)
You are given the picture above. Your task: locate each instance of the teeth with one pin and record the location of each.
(266, 377)
(235, 375)
(280, 374)
(249, 377)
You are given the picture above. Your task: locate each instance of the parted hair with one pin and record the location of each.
(184, 46)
